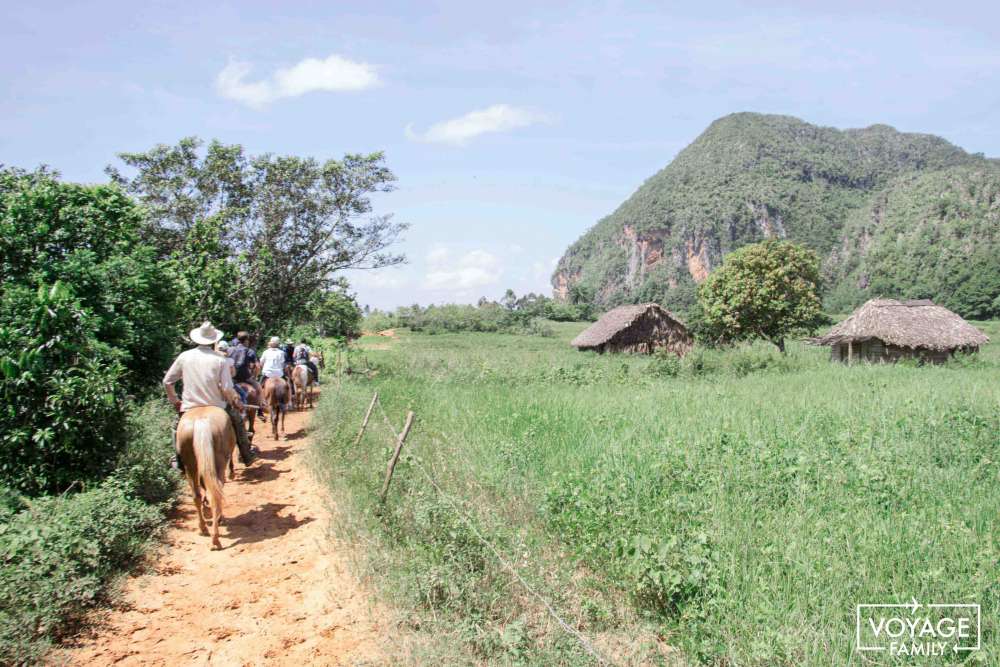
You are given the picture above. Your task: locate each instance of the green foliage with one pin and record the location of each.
(524, 315)
(746, 178)
(86, 315)
(58, 554)
(767, 290)
(271, 232)
(62, 403)
(926, 236)
(87, 238)
(336, 314)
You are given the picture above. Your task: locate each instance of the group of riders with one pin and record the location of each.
(225, 375)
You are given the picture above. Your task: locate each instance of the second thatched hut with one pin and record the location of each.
(636, 328)
(889, 330)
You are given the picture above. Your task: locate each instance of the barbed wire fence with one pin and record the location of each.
(399, 439)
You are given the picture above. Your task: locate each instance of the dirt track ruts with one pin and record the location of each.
(279, 593)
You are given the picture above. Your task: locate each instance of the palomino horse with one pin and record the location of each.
(276, 400)
(303, 379)
(205, 441)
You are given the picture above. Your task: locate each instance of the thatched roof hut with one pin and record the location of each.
(639, 328)
(888, 330)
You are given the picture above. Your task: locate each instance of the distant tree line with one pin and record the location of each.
(510, 314)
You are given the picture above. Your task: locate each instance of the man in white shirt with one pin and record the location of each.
(272, 362)
(208, 381)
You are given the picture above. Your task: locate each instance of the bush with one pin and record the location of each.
(63, 405)
(665, 364)
(87, 238)
(86, 315)
(58, 554)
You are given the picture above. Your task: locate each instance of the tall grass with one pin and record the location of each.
(735, 506)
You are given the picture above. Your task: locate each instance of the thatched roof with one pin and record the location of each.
(913, 324)
(615, 321)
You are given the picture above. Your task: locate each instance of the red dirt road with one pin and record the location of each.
(279, 592)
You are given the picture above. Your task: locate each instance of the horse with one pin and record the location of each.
(253, 398)
(317, 358)
(303, 379)
(275, 400)
(205, 442)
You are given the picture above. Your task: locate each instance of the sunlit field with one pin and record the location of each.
(732, 508)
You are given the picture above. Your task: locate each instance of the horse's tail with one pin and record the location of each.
(204, 451)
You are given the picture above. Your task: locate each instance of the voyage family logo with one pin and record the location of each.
(915, 629)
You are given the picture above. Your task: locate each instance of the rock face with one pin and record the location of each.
(747, 178)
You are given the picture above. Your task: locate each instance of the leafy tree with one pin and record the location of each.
(87, 238)
(86, 315)
(289, 224)
(336, 313)
(767, 290)
(63, 416)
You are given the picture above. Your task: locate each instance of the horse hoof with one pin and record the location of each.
(216, 545)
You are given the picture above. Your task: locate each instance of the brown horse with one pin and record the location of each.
(253, 398)
(276, 401)
(205, 441)
(303, 379)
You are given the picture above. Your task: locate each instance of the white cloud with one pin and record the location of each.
(476, 268)
(335, 73)
(459, 131)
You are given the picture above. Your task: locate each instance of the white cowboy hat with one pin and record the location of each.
(206, 334)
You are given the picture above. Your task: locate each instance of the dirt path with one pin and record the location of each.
(279, 593)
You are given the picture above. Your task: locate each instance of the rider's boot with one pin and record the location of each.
(248, 453)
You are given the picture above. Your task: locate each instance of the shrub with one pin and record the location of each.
(665, 364)
(57, 554)
(87, 238)
(63, 405)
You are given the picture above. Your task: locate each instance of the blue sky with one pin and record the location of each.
(512, 127)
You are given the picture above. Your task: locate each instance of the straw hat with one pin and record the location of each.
(206, 334)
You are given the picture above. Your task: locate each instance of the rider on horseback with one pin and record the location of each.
(273, 361)
(302, 354)
(208, 382)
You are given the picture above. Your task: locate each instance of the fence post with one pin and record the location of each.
(395, 456)
(368, 415)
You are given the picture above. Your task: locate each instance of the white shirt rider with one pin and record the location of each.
(273, 361)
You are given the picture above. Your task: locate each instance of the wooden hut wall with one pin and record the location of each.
(876, 351)
(649, 332)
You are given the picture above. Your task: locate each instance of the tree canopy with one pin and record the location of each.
(768, 290)
(277, 228)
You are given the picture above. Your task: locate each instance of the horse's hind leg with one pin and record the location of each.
(216, 520)
(198, 502)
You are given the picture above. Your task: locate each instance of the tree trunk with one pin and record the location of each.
(781, 345)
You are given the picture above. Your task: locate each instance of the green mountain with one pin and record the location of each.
(752, 176)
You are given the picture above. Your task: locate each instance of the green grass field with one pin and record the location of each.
(731, 509)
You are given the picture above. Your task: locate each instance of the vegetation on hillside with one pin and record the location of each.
(752, 176)
(926, 236)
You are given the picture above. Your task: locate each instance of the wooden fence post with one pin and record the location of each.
(368, 415)
(395, 455)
